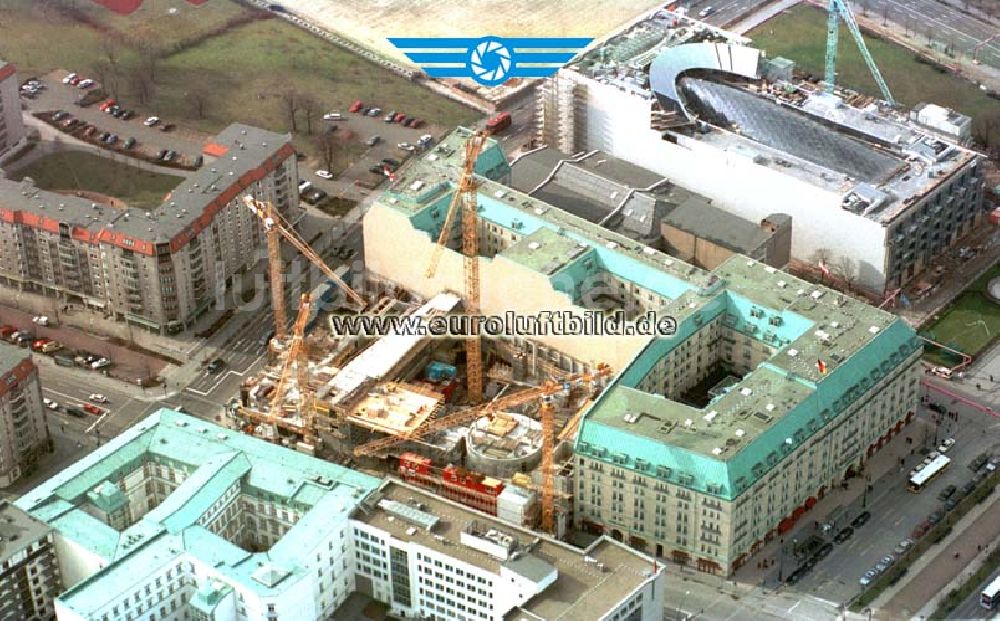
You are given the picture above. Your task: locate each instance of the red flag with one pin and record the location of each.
(821, 366)
(388, 173)
(823, 268)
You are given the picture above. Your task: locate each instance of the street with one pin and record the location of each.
(970, 608)
(723, 12)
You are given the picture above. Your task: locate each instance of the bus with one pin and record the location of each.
(990, 596)
(920, 480)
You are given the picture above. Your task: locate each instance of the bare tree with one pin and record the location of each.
(864, 8)
(885, 15)
(106, 75)
(310, 107)
(822, 255)
(199, 102)
(149, 59)
(329, 147)
(846, 268)
(141, 84)
(289, 104)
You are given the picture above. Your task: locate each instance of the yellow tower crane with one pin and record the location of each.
(544, 392)
(276, 227)
(465, 194)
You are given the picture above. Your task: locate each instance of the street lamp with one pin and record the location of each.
(680, 611)
(781, 557)
(868, 611)
(864, 497)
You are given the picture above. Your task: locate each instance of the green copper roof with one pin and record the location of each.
(107, 497)
(217, 460)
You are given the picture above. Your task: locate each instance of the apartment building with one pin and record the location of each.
(709, 441)
(866, 187)
(159, 269)
(23, 430)
(11, 124)
(29, 574)
(429, 558)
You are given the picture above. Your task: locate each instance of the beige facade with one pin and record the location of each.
(675, 522)
(11, 123)
(159, 269)
(23, 431)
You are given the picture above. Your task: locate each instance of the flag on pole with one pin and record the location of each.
(821, 366)
(388, 173)
(823, 268)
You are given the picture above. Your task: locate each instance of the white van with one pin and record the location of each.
(705, 12)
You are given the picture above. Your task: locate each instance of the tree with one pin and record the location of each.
(329, 146)
(141, 84)
(198, 99)
(309, 107)
(289, 104)
(846, 268)
(986, 132)
(822, 255)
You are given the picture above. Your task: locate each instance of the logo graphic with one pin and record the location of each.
(491, 61)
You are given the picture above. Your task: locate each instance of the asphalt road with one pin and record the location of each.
(724, 11)
(947, 24)
(970, 608)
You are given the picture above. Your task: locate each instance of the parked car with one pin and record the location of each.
(69, 78)
(375, 169)
(390, 117)
(72, 410)
(97, 397)
(921, 529)
(24, 339)
(100, 363)
(324, 174)
(867, 578)
(151, 121)
(409, 122)
(935, 517)
(903, 546)
(106, 104)
(38, 344)
(169, 156)
(119, 113)
(128, 144)
(862, 518)
(405, 146)
(216, 365)
(112, 139)
(823, 551)
(167, 127)
(128, 115)
(49, 403)
(90, 408)
(844, 534)
(374, 140)
(304, 186)
(417, 123)
(59, 115)
(51, 347)
(198, 161)
(705, 12)
(946, 445)
(400, 117)
(947, 492)
(332, 116)
(374, 111)
(978, 462)
(392, 163)
(356, 106)
(112, 110)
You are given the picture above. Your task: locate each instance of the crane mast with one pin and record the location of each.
(837, 10)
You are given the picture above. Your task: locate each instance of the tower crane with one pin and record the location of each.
(836, 10)
(276, 227)
(544, 392)
(465, 194)
(297, 355)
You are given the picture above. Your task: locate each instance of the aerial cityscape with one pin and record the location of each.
(483, 311)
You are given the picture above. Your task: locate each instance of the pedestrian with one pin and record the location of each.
(979, 548)
(991, 378)
(979, 386)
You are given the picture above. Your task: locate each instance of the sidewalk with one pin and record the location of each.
(937, 567)
(957, 582)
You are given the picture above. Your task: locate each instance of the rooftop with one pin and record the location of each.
(18, 530)
(791, 127)
(242, 151)
(11, 356)
(582, 590)
(215, 460)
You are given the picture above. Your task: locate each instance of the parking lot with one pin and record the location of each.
(363, 128)
(150, 140)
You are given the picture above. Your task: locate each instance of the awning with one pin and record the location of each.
(798, 512)
(786, 525)
(810, 502)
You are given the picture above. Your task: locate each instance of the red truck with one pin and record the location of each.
(498, 123)
(356, 106)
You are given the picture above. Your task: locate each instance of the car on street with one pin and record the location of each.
(216, 365)
(417, 123)
(59, 115)
(978, 462)
(90, 408)
(903, 546)
(405, 146)
(112, 139)
(391, 163)
(127, 115)
(86, 83)
(947, 492)
(49, 403)
(51, 347)
(409, 122)
(97, 397)
(324, 174)
(72, 410)
(42, 320)
(946, 445)
(106, 105)
(332, 116)
(170, 156)
(356, 106)
(862, 518)
(844, 534)
(374, 140)
(128, 144)
(100, 363)
(867, 578)
(69, 78)
(151, 121)
(374, 111)
(705, 12)
(40, 343)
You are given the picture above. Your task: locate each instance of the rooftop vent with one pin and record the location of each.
(745, 391)
(716, 451)
(817, 294)
(648, 250)
(740, 433)
(498, 194)
(769, 407)
(611, 245)
(834, 324)
(800, 292)
(688, 422)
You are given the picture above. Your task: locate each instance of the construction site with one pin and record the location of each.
(482, 422)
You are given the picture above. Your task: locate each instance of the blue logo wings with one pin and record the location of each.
(491, 61)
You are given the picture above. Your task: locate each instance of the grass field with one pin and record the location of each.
(77, 170)
(241, 74)
(959, 325)
(800, 34)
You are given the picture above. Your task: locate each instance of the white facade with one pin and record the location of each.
(11, 124)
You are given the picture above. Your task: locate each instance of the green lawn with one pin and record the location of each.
(800, 34)
(958, 326)
(240, 74)
(77, 170)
